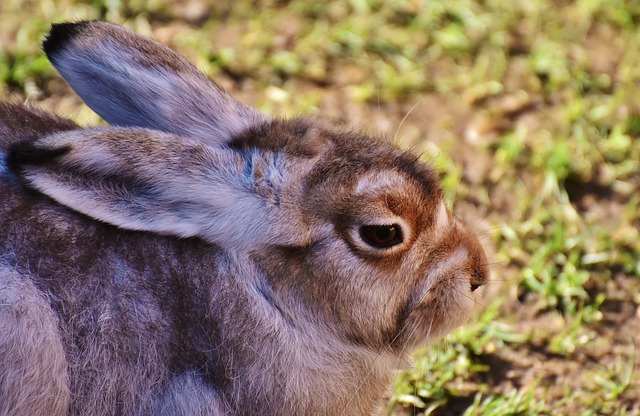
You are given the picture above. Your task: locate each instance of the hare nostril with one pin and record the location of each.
(478, 278)
(476, 281)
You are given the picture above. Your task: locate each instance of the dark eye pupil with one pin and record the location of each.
(381, 236)
(384, 234)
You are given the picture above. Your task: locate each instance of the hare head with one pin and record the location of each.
(332, 254)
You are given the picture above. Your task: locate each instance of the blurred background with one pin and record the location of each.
(530, 111)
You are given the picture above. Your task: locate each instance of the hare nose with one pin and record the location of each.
(476, 280)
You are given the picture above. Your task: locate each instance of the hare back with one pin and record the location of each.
(87, 321)
(34, 377)
(114, 323)
(19, 122)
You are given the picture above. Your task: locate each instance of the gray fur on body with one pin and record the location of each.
(214, 270)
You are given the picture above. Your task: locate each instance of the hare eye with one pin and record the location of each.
(381, 236)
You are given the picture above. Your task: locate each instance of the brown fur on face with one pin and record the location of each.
(221, 267)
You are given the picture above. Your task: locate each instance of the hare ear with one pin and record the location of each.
(146, 180)
(132, 81)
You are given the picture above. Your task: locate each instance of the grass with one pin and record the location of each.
(529, 110)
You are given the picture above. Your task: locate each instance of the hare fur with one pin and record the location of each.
(200, 258)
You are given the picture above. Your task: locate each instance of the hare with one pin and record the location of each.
(201, 258)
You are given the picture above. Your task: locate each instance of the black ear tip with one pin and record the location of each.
(26, 153)
(60, 35)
